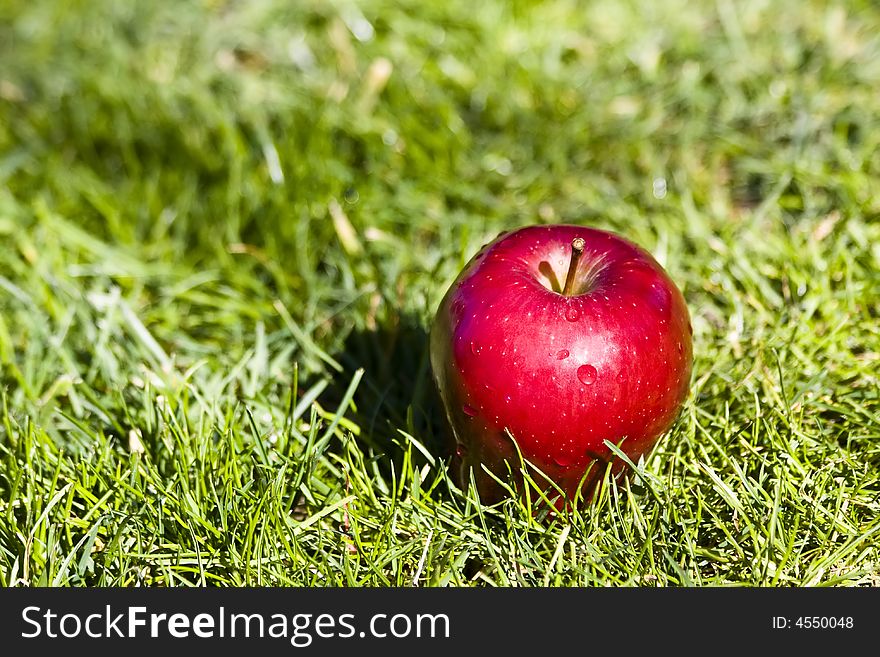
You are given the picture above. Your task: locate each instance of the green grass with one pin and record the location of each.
(226, 227)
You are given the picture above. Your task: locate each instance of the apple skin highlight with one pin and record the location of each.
(611, 360)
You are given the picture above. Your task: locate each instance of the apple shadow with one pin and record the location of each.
(397, 392)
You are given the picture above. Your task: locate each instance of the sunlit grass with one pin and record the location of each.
(226, 227)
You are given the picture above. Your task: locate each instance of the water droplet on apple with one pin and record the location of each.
(457, 309)
(680, 348)
(562, 354)
(587, 374)
(572, 314)
(620, 376)
(469, 410)
(475, 348)
(564, 460)
(660, 298)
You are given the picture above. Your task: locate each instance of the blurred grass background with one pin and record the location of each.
(227, 225)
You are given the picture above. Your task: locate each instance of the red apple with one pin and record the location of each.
(562, 337)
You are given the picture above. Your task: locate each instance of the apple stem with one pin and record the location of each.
(577, 250)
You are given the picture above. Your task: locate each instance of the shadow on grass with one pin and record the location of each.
(397, 392)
